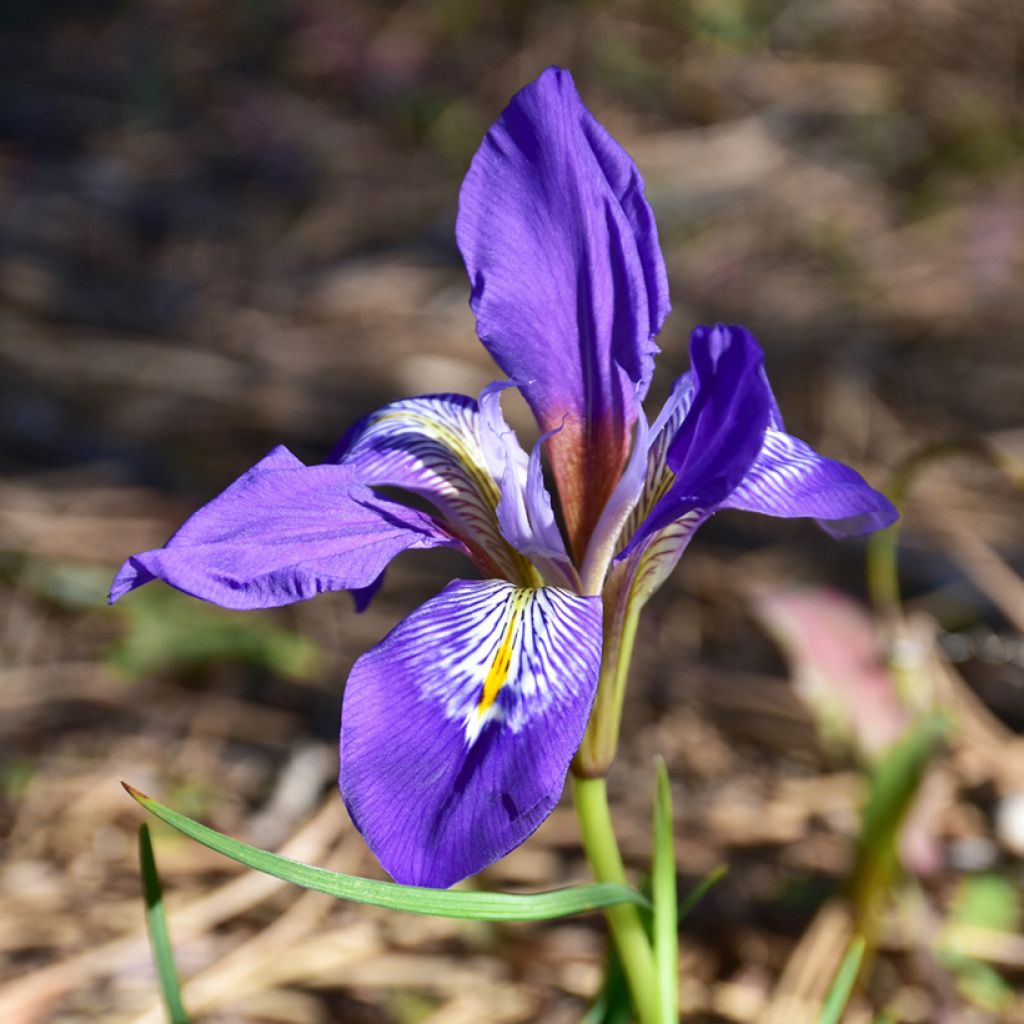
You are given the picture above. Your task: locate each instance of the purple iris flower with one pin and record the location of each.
(459, 727)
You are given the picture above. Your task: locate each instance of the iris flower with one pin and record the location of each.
(459, 727)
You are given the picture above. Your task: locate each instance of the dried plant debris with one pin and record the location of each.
(227, 226)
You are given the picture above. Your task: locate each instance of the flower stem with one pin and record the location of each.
(601, 739)
(631, 942)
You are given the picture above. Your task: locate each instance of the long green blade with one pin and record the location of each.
(894, 784)
(663, 892)
(700, 890)
(613, 1004)
(842, 985)
(480, 906)
(156, 925)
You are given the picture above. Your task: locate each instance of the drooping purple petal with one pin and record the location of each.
(432, 447)
(362, 597)
(722, 429)
(458, 728)
(283, 532)
(568, 282)
(789, 479)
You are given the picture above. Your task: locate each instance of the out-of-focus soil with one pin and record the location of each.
(231, 226)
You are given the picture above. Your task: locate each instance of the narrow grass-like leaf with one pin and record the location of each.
(663, 893)
(479, 906)
(993, 903)
(700, 890)
(894, 784)
(842, 985)
(613, 1004)
(156, 925)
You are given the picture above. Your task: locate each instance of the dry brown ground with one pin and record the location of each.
(226, 229)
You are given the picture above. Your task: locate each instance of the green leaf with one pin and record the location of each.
(993, 903)
(895, 782)
(663, 892)
(700, 890)
(613, 1004)
(842, 985)
(156, 925)
(167, 628)
(978, 982)
(988, 901)
(479, 906)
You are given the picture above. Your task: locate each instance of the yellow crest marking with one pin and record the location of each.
(497, 674)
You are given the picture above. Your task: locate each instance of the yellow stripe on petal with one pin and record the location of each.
(497, 675)
(502, 653)
(435, 799)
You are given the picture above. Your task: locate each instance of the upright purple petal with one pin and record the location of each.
(284, 532)
(789, 479)
(641, 568)
(457, 730)
(657, 477)
(568, 282)
(722, 429)
(718, 443)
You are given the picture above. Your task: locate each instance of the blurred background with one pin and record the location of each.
(230, 225)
